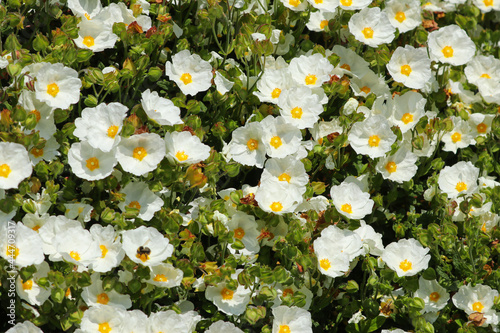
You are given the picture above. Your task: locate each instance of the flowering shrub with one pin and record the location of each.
(250, 166)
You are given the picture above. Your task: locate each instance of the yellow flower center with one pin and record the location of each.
(367, 32)
(483, 227)
(461, 186)
(239, 233)
(87, 16)
(374, 141)
(311, 79)
(276, 206)
(284, 177)
(37, 152)
(37, 114)
(485, 76)
(405, 265)
(406, 70)
(134, 204)
(447, 51)
(104, 250)
(252, 144)
(104, 328)
(477, 307)
(4, 170)
(181, 156)
(488, 3)
(36, 228)
(276, 93)
(12, 251)
(482, 128)
(103, 298)
(456, 137)
(186, 78)
(400, 17)
(346, 3)
(318, 1)
(284, 329)
(391, 167)
(139, 153)
(434, 297)
(160, 278)
(227, 294)
(296, 113)
(287, 291)
(366, 90)
(323, 24)
(143, 256)
(325, 264)
(28, 285)
(68, 292)
(275, 142)
(75, 255)
(112, 130)
(88, 41)
(407, 118)
(93, 163)
(346, 208)
(52, 89)
(294, 3)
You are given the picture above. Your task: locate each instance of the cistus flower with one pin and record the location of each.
(160, 109)
(353, 4)
(29, 290)
(300, 106)
(458, 179)
(410, 66)
(165, 321)
(57, 85)
(140, 153)
(295, 5)
(246, 146)
(288, 171)
(15, 165)
(406, 257)
(435, 297)
(351, 201)
(95, 294)
(185, 148)
(139, 196)
(372, 136)
(90, 163)
(228, 301)
(222, 326)
(406, 110)
(27, 248)
(103, 318)
(165, 276)
(371, 27)
(461, 136)
(451, 45)
(101, 126)
(318, 21)
(280, 137)
(95, 35)
(405, 15)
(146, 246)
(291, 319)
(191, 73)
(400, 167)
(276, 198)
(111, 248)
(86, 9)
(478, 299)
(311, 71)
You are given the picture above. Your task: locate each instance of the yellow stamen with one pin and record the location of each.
(252, 144)
(181, 156)
(160, 278)
(135, 204)
(374, 141)
(477, 307)
(406, 70)
(88, 41)
(37, 152)
(276, 206)
(37, 114)
(52, 89)
(28, 285)
(186, 78)
(104, 250)
(485, 76)
(227, 294)
(139, 153)
(104, 328)
(323, 24)
(92, 163)
(75, 255)
(407, 118)
(4, 170)
(391, 167)
(447, 51)
(366, 90)
(434, 297)
(346, 3)
(112, 131)
(284, 329)
(276, 93)
(103, 298)
(284, 177)
(482, 128)
(239, 233)
(367, 32)
(346, 208)
(311, 79)
(461, 186)
(456, 137)
(400, 17)
(325, 264)
(296, 112)
(405, 265)
(276, 142)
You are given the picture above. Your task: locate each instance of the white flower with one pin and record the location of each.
(146, 246)
(191, 73)
(222, 84)
(291, 319)
(458, 179)
(372, 240)
(79, 210)
(103, 318)
(25, 248)
(318, 21)
(461, 136)
(407, 109)
(295, 5)
(369, 83)
(371, 27)
(479, 298)
(222, 326)
(95, 35)
(57, 85)
(351, 62)
(404, 14)
(372, 137)
(185, 148)
(77, 246)
(275, 198)
(482, 67)
(110, 246)
(351, 201)
(300, 106)
(47, 152)
(44, 114)
(400, 167)
(165, 276)
(15, 165)
(94, 295)
(160, 109)
(141, 153)
(311, 71)
(139, 196)
(231, 302)
(406, 257)
(288, 171)
(481, 123)
(451, 45)
(245, 229)
(24, 327)
(246, 146)
(90, 163)
(272, 83)
(280, 138)
(86, 9)
(354, 4)
(435, 297)
(101, 126)
(410, 66)
(118, 12)
(487, 5)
